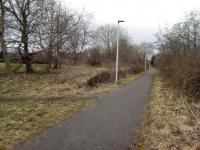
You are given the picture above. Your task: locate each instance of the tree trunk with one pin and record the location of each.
(56, 64)
(56, 58)
(49, 65)
(75, 57)
(60, 65)
(56, 61)
(27, 58)
(28, 63)
(3, 45)
(49, 53)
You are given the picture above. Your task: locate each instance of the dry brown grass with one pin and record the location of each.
(67, 81)
(168, 124)
(20, 119)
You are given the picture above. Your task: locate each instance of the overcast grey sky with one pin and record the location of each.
(143, 17)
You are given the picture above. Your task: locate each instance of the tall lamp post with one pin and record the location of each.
(117, 54)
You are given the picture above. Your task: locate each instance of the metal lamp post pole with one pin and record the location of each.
(117, 54)
(145, 60)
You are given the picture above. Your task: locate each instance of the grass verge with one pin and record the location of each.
(66, 81)
(36, 67)
(168, 124)
(21, 119)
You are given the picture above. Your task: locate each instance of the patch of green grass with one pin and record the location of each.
(2, 67)
(36, 67)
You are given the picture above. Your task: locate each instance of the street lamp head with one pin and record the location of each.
(120, 21)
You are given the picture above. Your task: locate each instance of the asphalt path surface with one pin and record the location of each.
(111, 124)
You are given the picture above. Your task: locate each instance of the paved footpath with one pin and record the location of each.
(110, 125)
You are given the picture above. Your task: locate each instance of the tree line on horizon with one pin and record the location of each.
(46, 32)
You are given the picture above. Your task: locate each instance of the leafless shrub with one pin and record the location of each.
(182, 72)
(100, 78)
(94, 58)
(192, 87)
(137, 68)
(122, 73)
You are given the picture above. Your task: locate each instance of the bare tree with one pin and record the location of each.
(79, 34)
(61, 31)
(25, 17)
(46, 32)
(103, 42)
(64, 22)
(105, 37)
(183, 37)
